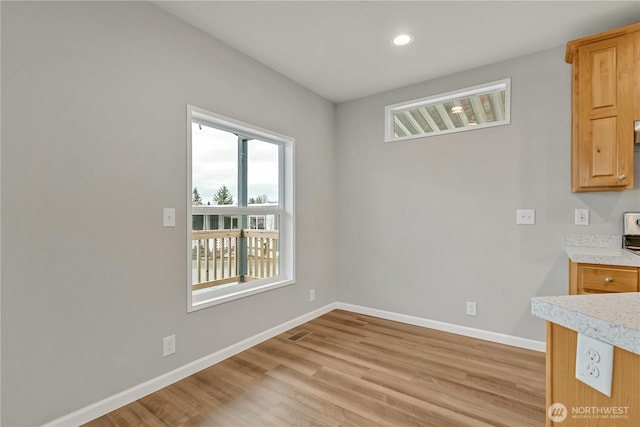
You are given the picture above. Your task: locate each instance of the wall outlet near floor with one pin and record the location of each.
(312, 295)
(582, 217)
(471, 308)
(168, 345)
(526, 216)
(594, 363)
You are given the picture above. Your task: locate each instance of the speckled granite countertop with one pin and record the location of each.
(612, 318)
(599, 249)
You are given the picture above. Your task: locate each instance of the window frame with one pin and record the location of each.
(285, 211)
(391, 110)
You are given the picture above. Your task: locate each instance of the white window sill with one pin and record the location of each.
(232, 292)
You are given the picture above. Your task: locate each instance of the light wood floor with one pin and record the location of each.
(354, 370)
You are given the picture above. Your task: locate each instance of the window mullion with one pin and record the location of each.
(242, 171)
(243, 197)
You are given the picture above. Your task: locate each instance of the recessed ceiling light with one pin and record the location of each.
(456, 110)
(402, 39)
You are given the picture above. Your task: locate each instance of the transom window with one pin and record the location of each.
(240, 230)
(466, 109)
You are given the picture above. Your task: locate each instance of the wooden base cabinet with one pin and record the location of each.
(584, 406)
(599, 279)
(605, 104)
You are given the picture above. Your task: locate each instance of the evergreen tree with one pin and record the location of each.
(261, 199)
(196, 199)
(223, 196)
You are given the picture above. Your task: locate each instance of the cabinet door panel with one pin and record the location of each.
(604, 159)
(605, 104)
(603, 82)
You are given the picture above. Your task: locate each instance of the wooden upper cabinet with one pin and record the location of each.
(605, 103)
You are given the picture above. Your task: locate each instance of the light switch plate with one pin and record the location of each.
(169, 217)
(526, 216)
(594, 363)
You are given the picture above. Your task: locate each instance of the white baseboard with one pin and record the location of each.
(448, 327)
(125, 397)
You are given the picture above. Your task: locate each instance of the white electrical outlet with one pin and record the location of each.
(312, 295)
(168, 345)
(582, 217)
(594, 363)
(471, 308)
(526, 216)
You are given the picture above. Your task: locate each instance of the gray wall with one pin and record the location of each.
(93, 147)
(428, 224)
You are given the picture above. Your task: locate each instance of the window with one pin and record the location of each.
(471, 108)
(240, 209)
(257, 222)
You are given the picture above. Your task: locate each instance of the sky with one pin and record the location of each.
(214, 164)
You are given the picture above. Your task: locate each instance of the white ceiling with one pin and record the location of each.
(342, 50)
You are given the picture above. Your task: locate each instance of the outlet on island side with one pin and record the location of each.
(312, 295)
(594, 363)
(471, 308)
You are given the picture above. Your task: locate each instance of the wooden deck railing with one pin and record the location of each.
(262, 253)
(216, 256)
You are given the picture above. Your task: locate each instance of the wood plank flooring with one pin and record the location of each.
(348, 369)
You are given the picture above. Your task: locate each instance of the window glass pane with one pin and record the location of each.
(197, 222)
(263, 247)
(263, 172)
(215, 258)
(477, 107)
(228, 255)
(214, 163)
(466, 111)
